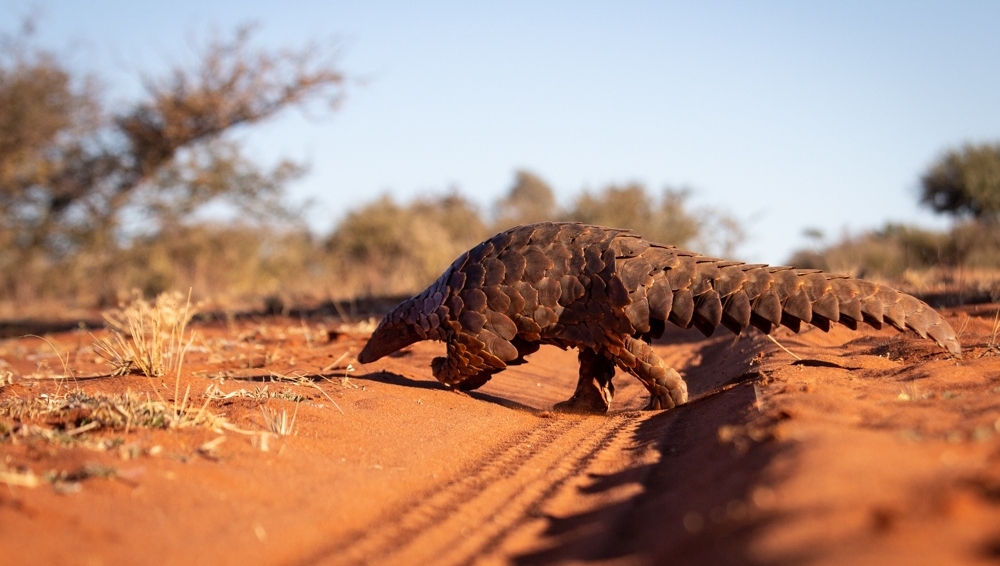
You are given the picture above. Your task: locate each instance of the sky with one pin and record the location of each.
(787, 115)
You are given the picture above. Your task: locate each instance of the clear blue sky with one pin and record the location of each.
(789, 115)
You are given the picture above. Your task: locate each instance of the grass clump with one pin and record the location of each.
(280, 424)
(76, 412)
(18, 478)
(147, 337)
(6, 378)
(258, 394)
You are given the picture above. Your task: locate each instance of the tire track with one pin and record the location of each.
(530, 508)
(459, 520)
(476, 514)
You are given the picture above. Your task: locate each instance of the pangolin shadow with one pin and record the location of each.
(676, 518)
(680, 514)
(427, 384)
(720, 347)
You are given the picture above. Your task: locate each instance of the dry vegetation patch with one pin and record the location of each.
(148, 337)
(167, 385)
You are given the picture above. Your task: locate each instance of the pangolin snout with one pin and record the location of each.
(387, 338)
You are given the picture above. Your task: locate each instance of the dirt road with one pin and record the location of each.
(874, 446)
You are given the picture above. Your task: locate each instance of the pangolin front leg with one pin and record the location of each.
(459, 372)
(594, 389)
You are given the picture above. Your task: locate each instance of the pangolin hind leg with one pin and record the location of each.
(666, 387)
(594, 390)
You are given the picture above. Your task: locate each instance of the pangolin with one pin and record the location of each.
(609, 292)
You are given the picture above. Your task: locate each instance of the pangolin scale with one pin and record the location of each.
(609, 292)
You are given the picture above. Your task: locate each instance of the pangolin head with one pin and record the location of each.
(403, 326)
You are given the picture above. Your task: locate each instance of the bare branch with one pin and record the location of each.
(235, 84)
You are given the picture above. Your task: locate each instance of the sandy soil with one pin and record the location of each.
(873, 448)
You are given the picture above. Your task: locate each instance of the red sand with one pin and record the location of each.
(875, 448)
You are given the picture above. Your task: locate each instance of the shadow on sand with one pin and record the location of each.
(396, 379)
(696, 505)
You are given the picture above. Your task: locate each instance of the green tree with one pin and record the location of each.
(965, 183)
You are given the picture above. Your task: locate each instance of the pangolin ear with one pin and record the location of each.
(389, 337)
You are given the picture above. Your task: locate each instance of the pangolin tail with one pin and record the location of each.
(692, 290)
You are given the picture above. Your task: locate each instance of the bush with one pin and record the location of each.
(896, 249)
(384, 248)
(387, 249)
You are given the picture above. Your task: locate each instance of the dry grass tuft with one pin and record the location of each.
(996, 328)
(280, 424)
(148, 338)
(778, 344)
(258, 394)
(77, 412)
(43, 370)
(16, 478)
(6, 378)
(62, 481)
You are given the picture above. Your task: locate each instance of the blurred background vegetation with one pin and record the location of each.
(98, 200)
(963, 183)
